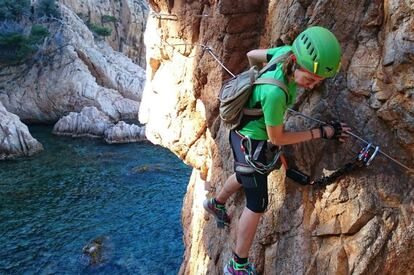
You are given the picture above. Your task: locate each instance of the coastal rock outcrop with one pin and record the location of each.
(15, 138)
(123, 133)
(126, 19)
(72, 71)
(91, 122)
(361, 224)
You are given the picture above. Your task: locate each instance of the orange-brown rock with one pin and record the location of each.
(361, 224)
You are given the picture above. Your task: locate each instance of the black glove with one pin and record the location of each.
(337, 130)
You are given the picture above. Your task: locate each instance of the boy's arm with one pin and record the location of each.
(257, 57)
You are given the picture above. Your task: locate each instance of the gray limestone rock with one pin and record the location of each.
(15, 138)
(70, 72)
(124, 133)
(90, 122)
(126, 19)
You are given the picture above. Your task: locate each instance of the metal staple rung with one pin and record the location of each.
(165, 16)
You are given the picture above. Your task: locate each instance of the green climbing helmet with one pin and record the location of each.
(318, 51)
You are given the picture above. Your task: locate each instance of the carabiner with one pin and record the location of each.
(372, 156)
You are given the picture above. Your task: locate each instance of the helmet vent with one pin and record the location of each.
(313, 54)
(304, 39)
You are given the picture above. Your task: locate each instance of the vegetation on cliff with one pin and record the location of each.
(22, 28)
(99, 30)
(15, 44)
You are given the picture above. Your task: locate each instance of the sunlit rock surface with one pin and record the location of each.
(123, 132)
(15, 138)
(363, 223)
(72, 71)
(126, 19)
(89, 122)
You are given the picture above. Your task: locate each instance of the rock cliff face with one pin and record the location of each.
(361, 224)
(72, 70)
(126, 18)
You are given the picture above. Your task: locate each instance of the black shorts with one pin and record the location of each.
(255, 184)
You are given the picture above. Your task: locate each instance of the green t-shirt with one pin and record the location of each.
(271, 98)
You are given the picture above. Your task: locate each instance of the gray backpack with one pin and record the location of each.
(236, 91)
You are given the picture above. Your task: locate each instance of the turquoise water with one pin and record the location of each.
(56, 202)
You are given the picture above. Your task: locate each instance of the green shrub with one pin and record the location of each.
(38, 33)
(108, 18)
(14, 47)
(100, 30)
(15, 44)
(14, 9)
(48, 8)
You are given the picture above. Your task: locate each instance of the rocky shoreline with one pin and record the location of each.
(15, 137)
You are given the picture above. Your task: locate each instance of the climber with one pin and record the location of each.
(314, 56)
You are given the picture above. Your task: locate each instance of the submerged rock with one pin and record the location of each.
(15, 138)
(95, 250)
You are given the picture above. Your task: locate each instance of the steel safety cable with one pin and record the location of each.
(210, 51)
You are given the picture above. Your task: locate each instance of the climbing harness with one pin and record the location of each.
(369, 150)
(252, 158)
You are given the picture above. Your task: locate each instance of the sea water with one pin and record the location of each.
(55, 203)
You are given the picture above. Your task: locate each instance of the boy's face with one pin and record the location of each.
(306, 79)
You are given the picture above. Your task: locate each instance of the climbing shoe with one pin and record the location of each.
(233, 268)
(218, 211)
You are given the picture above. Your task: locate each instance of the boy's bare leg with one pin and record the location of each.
(230, 187)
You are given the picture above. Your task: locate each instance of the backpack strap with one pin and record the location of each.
(252, 112)
(275, 82)
(274, 61)
(255, 113)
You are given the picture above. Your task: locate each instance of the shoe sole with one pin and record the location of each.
(220, 223)
(226, 271)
